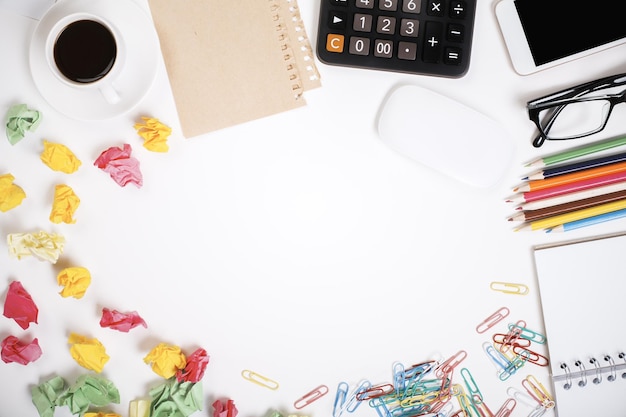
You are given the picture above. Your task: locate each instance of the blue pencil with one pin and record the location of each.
(589, 221)
(577, 166)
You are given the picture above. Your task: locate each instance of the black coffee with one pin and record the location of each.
(85, 51)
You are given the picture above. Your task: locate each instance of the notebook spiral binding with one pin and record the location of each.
(594, 370)
(295, 46)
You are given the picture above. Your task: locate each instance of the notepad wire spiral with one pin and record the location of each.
(595, 372)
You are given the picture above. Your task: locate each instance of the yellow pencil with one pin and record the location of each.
(574, 215)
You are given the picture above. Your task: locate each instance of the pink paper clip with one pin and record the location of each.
(311, 396)
(492, 320)
(448, 366)
(507, 408)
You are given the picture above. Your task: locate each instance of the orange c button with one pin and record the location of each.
(334, 43)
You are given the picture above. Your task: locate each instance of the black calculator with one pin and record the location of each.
(427, 37)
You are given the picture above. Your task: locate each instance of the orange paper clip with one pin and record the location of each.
(310, 396)
(509, 287)
(492, 320)
(259, 379)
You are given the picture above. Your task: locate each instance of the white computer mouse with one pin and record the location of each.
(445, 135)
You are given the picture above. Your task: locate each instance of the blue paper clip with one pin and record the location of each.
(348, 402)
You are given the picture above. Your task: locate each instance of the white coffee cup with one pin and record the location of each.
(86, 52)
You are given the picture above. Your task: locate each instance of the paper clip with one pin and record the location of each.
(375, 391)
(492, 320)
(259, 379)
(448, 366)
(471, 386)
(613, 376)
(310, 396)
(507, 408)
(348, 402)
(531, 356)
(340, 398)
(536, 390)
(521, 397)
(509, 287)
(526, 333)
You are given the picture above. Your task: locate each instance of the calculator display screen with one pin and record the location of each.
(558, 28)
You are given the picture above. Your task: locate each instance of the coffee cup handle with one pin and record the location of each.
(109, 93)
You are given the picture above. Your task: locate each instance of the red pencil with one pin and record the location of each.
(568, 188)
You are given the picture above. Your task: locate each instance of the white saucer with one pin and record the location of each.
(140, 67)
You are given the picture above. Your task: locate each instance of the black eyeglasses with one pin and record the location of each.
(575, 112)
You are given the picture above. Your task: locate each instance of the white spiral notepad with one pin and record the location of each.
(582, 286)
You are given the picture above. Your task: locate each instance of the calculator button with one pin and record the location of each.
(386, 25)
(365, 4)
(339, 2)
(337, 20)
(390, 5)
(432, 42)
(455, 32)
(452, 56)
(435, 8)
(409, 27)
(383, 48)
(407, 51)
(359, 46)
(362, 22)
(411, 6)
(334, 43)
(458, 9)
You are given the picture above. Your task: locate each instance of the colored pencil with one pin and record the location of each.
(590, 221)
(577, 166)
(531, 215)
(554, 221)
(578, 195)
(573, 177)
(577, 152)
(568, 188)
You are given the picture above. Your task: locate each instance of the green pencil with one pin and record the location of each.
(578, 152)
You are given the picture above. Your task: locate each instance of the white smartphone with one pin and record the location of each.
(540, 34)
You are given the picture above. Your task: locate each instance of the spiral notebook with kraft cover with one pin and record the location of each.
(231, 62)
(582, 286)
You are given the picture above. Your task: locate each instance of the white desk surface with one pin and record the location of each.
(297, 246)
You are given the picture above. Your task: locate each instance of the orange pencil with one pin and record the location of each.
(573, 177)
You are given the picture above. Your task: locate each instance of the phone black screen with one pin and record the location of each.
(558, 28)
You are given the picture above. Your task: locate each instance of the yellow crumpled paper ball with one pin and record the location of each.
(166, 360)
(11, 195)
(44, 246)
(154, 134)
(75, 281)
(64, 205)
(59, 157)
(88, 353)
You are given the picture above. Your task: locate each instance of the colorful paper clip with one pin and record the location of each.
(526, 333)
(492, 320)
(537, 391)
(310, 396)
(447, 367)
(509, 287)
(375, 391)
(507, 408)
(348, 402)
(472, 387)
(259, 379)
